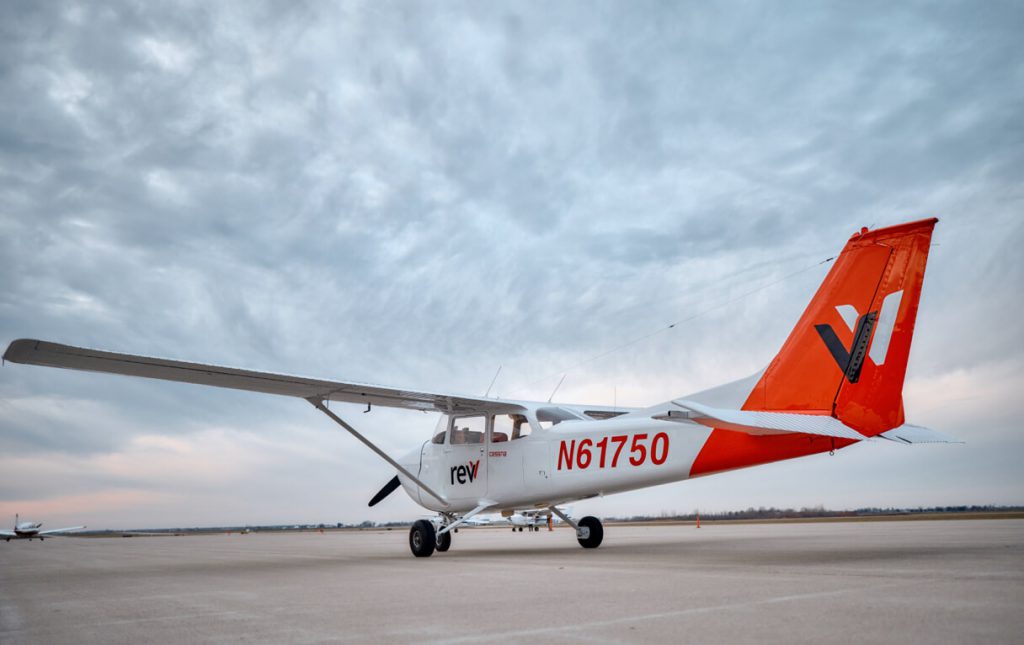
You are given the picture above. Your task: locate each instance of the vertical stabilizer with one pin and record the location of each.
(847, 356)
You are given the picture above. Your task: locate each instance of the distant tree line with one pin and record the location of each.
(761, 513)
(772, 513)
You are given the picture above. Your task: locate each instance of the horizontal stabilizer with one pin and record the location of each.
(907, 433)
(758, 423)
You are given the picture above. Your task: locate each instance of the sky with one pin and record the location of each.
(414, 194)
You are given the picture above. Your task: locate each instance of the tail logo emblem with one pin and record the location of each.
(851, 360)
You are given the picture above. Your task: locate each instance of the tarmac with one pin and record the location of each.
(871, 582)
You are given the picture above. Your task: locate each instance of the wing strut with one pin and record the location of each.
(318, 403)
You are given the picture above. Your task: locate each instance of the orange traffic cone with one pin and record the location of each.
(698, 520)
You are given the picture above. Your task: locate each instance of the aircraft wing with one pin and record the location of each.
(757, 422)
(4, 533)
(56, 532)
(38, 352)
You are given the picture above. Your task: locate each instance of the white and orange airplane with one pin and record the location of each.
(837, 380)
(33, 530)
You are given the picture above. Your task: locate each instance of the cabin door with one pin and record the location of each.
(465, 474)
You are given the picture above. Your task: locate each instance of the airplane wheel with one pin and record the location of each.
(444, 541)
(596, 532)
(422, 539)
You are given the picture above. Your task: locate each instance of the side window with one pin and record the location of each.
(520, 426)
(501, 427)
(440, 429)
(468, 430)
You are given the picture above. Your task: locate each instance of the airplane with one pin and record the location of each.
(534, 520)
(530, 520)
(30, 530)
(836, 381)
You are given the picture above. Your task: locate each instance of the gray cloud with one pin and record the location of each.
(412, 194)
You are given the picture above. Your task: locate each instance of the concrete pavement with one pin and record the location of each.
(941, 581)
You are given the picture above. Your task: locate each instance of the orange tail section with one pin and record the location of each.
(847, 356)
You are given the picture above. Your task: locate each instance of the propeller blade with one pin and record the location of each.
(387, 490)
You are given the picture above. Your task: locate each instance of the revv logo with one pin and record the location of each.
(465, 472)
(851, 360)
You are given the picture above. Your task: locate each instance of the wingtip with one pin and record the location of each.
(19, 350)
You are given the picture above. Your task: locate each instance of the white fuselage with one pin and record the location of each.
(27, 529)
(574, 459)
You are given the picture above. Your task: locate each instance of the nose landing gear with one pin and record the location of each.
(444, 541)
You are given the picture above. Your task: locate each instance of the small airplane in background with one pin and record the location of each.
(529, 520)
(837, 381)
(31, 530)
(535, 520)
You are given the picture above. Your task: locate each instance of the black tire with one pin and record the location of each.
(596, 532)
(422, 539)
(444, 542)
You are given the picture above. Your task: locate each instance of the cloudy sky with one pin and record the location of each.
(415, 193)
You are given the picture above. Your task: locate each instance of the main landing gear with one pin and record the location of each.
(589, 533)
(423, 539)
(425, 536)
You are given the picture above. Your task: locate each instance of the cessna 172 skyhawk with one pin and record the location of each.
(837, 380)
(31, 531)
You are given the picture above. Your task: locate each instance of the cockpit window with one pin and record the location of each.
(440, 429)
(468, 430)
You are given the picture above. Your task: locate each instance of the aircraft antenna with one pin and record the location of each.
(492, 382)
(556, 388)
